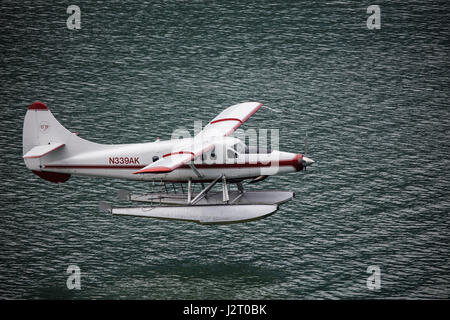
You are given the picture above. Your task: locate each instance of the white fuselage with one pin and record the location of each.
(122, 161)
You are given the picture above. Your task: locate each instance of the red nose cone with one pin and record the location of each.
(298, 163)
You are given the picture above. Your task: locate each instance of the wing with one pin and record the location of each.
(223, 125)
(173, 160)
(229, 120)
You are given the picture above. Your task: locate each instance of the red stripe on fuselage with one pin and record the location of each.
(292, 162)
(82, 166)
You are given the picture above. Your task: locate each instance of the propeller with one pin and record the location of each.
(306, 144)
(305, 160)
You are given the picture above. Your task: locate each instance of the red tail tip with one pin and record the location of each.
(38, 106)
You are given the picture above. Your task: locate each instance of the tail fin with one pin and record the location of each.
(44, 136)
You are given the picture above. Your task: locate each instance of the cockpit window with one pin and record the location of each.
(240, 147)
(254, 149)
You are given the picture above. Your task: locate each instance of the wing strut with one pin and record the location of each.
(191, 164)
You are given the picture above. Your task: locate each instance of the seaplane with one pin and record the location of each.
(211, 156)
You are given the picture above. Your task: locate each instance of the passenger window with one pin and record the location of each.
(213, 154)
(231, 154)
(155, 158)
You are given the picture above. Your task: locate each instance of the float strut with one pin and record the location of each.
(202, 194)
(226, 198)
(189, 194)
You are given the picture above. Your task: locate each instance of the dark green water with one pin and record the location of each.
(375, 105)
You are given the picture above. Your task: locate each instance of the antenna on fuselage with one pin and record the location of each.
(273, 110)
(306, 147)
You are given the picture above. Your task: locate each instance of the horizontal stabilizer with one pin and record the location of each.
(42, 150)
